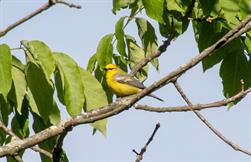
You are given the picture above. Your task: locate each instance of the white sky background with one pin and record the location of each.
(181, 138)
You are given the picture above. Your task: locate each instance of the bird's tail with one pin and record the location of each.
(156, 97)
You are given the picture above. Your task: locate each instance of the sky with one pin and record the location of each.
(182, 137)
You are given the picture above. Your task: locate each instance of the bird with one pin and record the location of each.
(122, 84)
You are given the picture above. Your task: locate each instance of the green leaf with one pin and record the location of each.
(73, 88)
(95, 98)
(40, 88)
(20, 86)
(245, 8)
(59, 83)
(216, 31)
(17, 64)
(175, 24)
(154, 9)
(5, 70)
(120, 61)
(209, 7)
(119, 33)
(5, 110)
(149, 40)
(135, 55)
(177, 5)
(32, 102)
(117, 4)
(20, 123)
(42, 54)
(105, 50)
(230, 10)
(55, 116)
(234, 68)
(91, 63)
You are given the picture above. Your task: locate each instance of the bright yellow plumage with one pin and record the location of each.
(120, 89)
(123, 84)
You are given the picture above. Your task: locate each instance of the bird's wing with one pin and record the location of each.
(127, 79)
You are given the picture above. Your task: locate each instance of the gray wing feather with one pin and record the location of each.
(127, 79)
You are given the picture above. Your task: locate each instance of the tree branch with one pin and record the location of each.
(44, 7)
(15, 137)
(219, 103)
(125, 103)
(208, 124)
(152, 56)
(139, 156)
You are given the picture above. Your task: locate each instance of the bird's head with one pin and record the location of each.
(111, 67)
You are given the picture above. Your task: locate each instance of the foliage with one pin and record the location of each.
(29, 87)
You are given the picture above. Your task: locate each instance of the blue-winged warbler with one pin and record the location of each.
(121, 83)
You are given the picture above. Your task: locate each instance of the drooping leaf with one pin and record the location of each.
(73, 88)
(5, 110)
(41, 53)
(55, 116)
(59, 83)
(95, 98)
(105, 50)
(148, 37)
(154, 9)
(5, 70)
(234, 68)
(119, 33)
(20, 86)
(40, 88)
(32, 102)
(91, 63)
(20, 123)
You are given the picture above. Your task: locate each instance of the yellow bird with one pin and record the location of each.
(121, 83)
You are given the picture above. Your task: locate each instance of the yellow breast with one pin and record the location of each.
(120, 89)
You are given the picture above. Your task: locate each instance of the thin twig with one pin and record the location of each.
(44, 7)
(15, 137)
(215, 104)
(139, 156)
(209, 125)
(71, 5)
